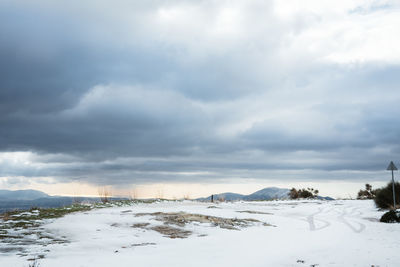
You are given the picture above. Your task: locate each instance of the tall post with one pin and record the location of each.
(394, 194)
(392, 168)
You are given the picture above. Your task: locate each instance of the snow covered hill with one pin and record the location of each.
(269, 193)
(263, 194)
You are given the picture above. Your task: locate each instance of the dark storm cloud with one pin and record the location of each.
(132, 124)
(187, 91)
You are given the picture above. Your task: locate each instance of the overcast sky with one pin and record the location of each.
(133, 92)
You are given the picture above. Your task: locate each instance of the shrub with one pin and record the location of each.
(391, 217)
(384, 196)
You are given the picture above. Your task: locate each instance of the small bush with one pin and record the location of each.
(384, 196)
(391, 217)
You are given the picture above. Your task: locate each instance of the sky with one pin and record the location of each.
(191, 97)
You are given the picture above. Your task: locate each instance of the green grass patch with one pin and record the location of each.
(26, 217)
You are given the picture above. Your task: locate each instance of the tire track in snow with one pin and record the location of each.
(342, 218)
(311, 221)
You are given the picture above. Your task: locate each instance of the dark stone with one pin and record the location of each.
(391, 217)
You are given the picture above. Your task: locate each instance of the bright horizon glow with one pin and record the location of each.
(335, 189)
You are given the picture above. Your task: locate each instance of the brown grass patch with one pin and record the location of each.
(182, 218)
(171, 232)
(140, 225)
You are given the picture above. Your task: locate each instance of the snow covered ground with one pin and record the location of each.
(275, 233)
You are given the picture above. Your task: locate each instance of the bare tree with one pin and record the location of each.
(104, 194)
(133, 194)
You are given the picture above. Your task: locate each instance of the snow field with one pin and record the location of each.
(303, 233)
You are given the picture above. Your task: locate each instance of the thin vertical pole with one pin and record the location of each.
(394, 195)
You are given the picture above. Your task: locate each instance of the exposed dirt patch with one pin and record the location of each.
(182, 218)
(126, 211)
(11, 249)
(140, 225)
(254, 212)
(143, 244)
(171, 232)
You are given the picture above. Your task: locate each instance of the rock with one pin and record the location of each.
(391, 217)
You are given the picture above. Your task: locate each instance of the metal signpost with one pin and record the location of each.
(392, 168)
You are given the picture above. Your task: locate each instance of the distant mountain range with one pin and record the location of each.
(263, 194)
(21, 195)
(26, 199)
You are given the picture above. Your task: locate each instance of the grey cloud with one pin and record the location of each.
(115, 97)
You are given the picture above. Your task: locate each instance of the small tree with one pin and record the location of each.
(368, 187)
(303, 193)
(133, 194)
(104, 194)
(293, 194)
(306, 193)
(368, 193)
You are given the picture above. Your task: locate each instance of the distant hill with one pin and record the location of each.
(22, 194)
(47, 202)
(325, 198)
(269, 193)
(263, 194)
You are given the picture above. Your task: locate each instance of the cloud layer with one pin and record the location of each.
(192, 91)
